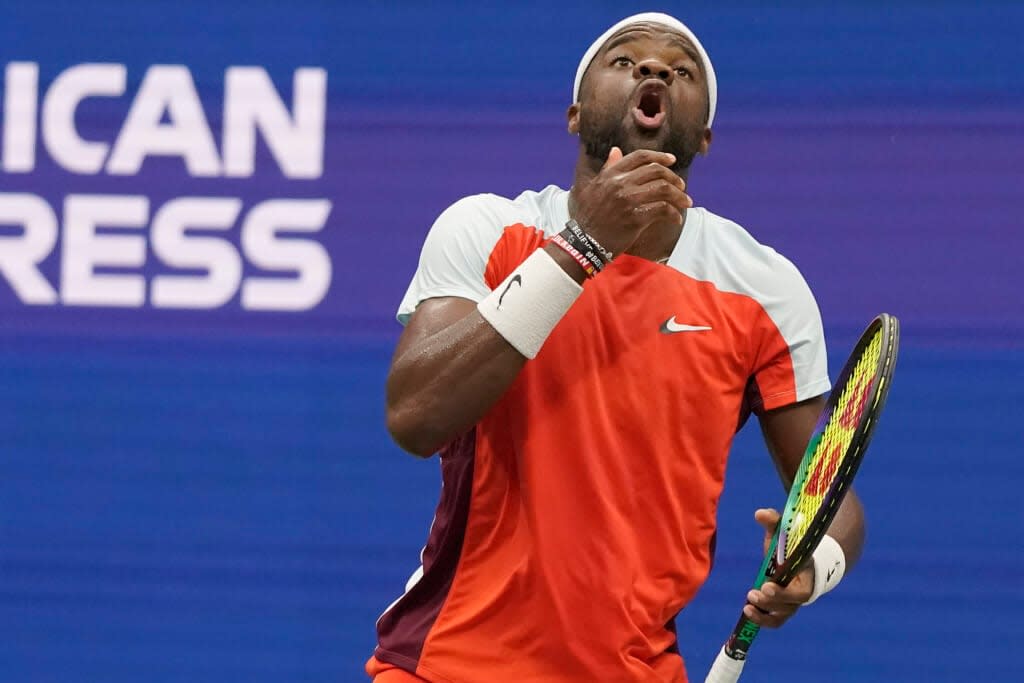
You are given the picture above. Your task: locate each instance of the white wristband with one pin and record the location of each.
(530, 302)
(829, 567)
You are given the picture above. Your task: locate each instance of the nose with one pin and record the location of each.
(653, 68)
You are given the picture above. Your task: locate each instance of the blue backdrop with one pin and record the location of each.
(210, 495)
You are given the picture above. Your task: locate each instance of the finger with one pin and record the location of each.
(775, 596)
(640, 157)
(769, 620)
(766, 611)
(799, 589)
(614, 157)
(660, 212)
(650, 173)
(767, 517)
(660, 190)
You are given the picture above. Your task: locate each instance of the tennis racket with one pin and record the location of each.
(835, 450)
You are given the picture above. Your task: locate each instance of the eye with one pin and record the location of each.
(622, 60)
(683, 72)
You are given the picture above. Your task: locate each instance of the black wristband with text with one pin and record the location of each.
(577, 240)
(578, 230)
(585, 245)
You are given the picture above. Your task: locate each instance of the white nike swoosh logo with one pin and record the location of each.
(670, 326)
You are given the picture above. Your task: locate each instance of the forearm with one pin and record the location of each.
(442, 386)
(449, 371)
(787, 431)
(456, 364)
(848, 528)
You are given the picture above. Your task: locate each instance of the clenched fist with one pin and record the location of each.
(629, 195)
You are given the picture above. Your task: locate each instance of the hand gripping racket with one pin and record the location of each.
(835, 450)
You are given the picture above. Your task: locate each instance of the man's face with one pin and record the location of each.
(645, 89)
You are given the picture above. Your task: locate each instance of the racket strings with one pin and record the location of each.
(833, 443)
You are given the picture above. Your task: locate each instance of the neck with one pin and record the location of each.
(654, 244)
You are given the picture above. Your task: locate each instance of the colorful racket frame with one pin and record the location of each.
(782, 563)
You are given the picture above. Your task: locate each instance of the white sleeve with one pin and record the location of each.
(799, 370)
(455, 253)
(806, 338)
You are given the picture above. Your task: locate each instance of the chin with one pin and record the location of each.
(654, 140)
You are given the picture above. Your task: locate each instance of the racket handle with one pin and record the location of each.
(725, 669)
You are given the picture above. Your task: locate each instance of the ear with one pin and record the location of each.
(705, 142)
(573, 117)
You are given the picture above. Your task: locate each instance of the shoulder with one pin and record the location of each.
(725, 253)
(483, 204)
(475, 212)
(478, 228)
(533, 208)
(790, 361)
(477, 239)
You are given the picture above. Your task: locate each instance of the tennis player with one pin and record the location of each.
(581, 360)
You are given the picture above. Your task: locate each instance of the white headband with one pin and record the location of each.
(656, 18)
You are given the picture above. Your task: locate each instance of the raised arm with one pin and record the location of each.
(450, 367)
(456, 357)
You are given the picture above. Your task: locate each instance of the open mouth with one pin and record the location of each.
(649, 112)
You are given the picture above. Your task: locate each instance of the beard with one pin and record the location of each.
(599, 133)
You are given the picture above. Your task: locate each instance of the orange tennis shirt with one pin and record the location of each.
(578, 517)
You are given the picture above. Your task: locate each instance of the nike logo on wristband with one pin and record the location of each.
(670, 326)
(828, 577)
(517, 279)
